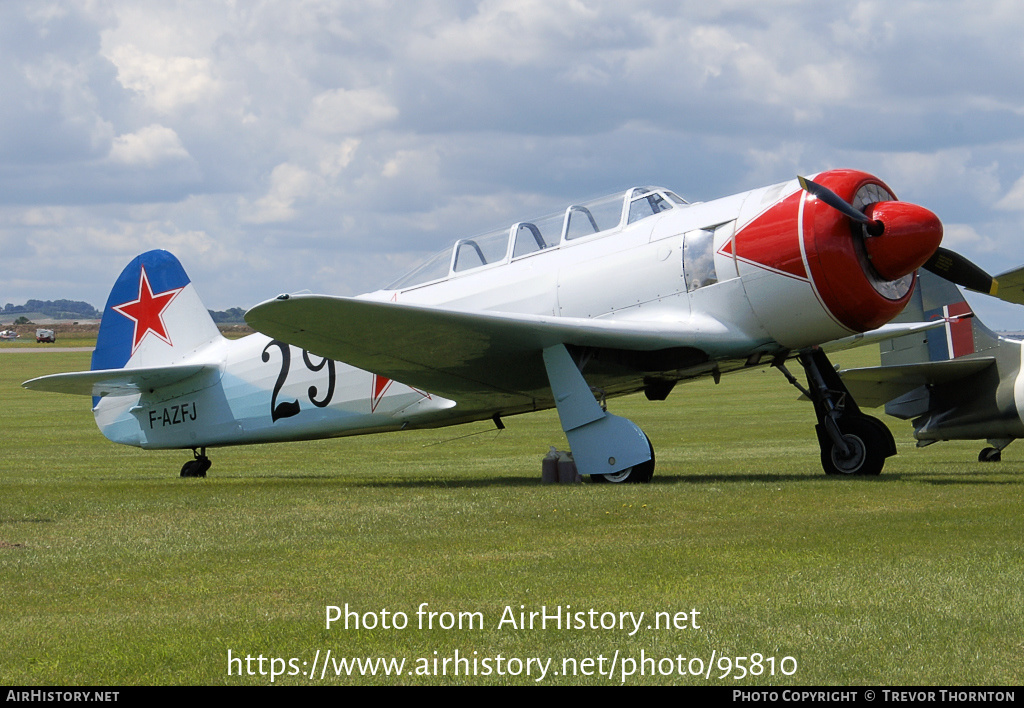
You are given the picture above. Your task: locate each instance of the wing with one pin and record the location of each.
(116, 382)
(482, 356)
(877, 385)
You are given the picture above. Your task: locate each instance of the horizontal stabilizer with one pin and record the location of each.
(877, 385)
(883, 333)
(116, 382)
(1011, 286)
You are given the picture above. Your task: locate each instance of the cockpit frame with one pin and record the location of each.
(598, 217)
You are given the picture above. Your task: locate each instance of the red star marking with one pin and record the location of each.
(148, 311)
(380, 386)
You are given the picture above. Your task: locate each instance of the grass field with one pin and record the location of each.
(30, 343)
(113, 570)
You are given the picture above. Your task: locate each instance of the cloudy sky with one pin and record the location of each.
(330, 145)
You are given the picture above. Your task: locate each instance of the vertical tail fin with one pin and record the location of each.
(937, 298)
(153, 316)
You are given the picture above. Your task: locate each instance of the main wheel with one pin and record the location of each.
(637, 474)
(866, 449)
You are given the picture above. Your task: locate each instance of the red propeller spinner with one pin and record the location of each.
(909, 236)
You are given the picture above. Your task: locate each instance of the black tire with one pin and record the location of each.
(990, 454)
(637, 474)
(867, 444)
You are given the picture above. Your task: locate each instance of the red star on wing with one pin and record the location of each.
(380, 386)
(148, 311)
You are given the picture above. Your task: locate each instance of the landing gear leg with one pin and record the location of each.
(604, 446)
(851, 443)
(198, 466)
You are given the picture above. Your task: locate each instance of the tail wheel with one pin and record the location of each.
(990, 454)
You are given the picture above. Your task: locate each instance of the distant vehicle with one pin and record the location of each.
(45, 336)
(8, 334)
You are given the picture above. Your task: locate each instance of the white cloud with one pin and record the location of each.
(165, 82)
(336, 158)
(964, 237)
(1014, 199)
(288, 184)
(513, 32)
(420, 164)
(767, 165)
(38, 217)
(148, 147)
(60, 95)
(347, 112)
(935, 178)
(761, 66)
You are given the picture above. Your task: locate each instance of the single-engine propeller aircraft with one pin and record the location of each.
(958, 381)
(632, 292)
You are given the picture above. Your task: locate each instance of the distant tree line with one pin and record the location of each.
(78, 310)
(235, 315)
(57, 309)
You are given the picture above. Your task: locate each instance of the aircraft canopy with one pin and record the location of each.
(604, 215)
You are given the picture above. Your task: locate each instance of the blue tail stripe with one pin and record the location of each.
(938, 343)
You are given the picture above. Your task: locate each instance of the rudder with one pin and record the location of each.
(153, 316)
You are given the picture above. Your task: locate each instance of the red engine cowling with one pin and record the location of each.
(864, 274)
(795, 250)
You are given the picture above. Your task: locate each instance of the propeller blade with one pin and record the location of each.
(839, 204)
(957, 269)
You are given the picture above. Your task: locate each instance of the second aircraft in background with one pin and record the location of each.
(958, 381)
